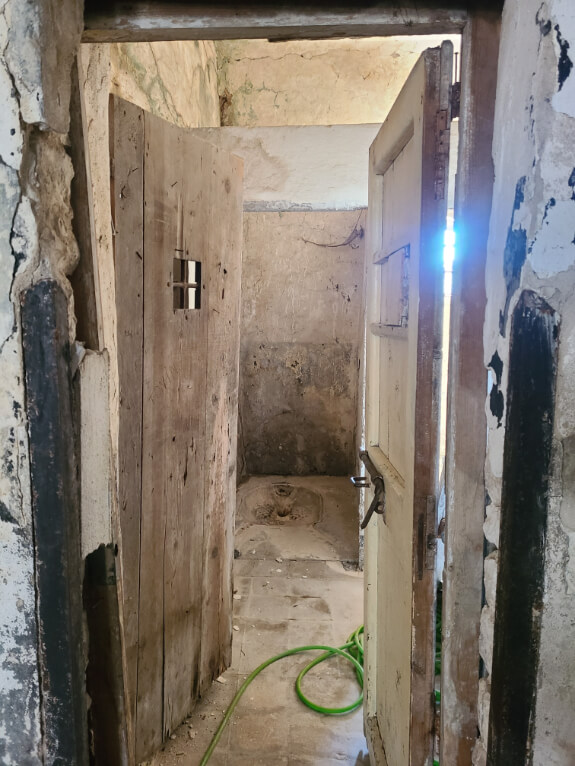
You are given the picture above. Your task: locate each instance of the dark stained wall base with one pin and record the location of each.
(297, 405)
(526, 467)
(55, 511)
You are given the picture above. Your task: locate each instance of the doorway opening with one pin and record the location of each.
(302, 284)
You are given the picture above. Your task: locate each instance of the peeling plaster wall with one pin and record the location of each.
(301, 310)
(532, 246)
(38, 43)
(319, 82)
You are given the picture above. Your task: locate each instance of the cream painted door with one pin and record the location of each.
(406, 221)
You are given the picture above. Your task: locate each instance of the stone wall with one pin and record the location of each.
(532, 247)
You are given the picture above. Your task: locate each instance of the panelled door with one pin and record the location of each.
(406, 220)
(177, 217)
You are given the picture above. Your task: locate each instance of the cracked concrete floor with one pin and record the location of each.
(291, 589)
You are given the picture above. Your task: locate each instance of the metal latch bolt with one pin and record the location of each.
(378, 502)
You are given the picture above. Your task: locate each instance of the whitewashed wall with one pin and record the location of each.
(534, 151)
(313, 167)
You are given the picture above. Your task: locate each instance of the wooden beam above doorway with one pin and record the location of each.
(152, 20)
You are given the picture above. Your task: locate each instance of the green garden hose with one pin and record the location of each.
(352, 651)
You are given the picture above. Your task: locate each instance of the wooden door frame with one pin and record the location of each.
(478, 22)
(467, 385)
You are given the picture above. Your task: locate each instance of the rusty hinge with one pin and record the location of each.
(431, 533)
(455, 100)
(441, 152)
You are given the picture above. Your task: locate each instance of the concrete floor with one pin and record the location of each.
(291, 589)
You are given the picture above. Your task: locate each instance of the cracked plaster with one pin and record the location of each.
(319, 82)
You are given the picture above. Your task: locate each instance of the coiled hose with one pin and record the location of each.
(352, 651)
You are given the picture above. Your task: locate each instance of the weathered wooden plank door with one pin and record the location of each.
(178, 227)
(406, 221)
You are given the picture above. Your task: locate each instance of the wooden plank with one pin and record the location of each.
(84, 279)
(95, 458)
(177, 224)
(222, 368)
(373, 737)
(127, 173)
(105, 671)
(145, 20)
(466, 423)
(427, 401)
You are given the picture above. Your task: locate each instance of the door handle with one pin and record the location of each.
(378, 502)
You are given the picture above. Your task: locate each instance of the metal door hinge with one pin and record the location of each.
(455, 100)
(442, 132)
(426, 536)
